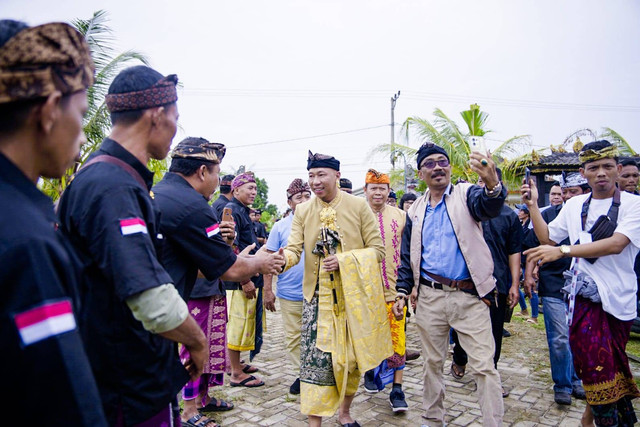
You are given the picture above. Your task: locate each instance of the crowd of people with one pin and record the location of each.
(99, 293)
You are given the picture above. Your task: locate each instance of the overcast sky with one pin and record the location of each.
(255, 72)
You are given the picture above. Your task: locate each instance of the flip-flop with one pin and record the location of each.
(244, 383)
(248, 369)
(457, 371)
(199, 420)
(213, 406)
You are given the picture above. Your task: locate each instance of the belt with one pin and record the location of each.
(462, 285)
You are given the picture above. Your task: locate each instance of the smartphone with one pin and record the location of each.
(476, 143)
(527, 178)
(226, 215)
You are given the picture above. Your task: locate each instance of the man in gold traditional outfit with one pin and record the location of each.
(345, 328)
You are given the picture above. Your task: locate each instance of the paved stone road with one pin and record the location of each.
(524, 369)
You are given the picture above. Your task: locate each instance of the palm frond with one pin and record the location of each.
(613, 136)
(475, 120)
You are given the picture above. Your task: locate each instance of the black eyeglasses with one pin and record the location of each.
(430, 164)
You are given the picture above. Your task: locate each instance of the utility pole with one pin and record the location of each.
(394, 98)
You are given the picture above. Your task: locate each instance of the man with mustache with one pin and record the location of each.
(344, 322)
(447, 266)
(604, 231)
(44, 75)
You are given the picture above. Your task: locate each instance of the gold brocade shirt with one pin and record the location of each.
(391, 222)
(355, 224)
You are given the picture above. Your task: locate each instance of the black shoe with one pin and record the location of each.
(578, 392)
(505, 333)
(295, 387)
(370, 385)
(396, 397)
(412, 355)
(562, 398)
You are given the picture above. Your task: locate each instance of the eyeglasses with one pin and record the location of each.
(430, 164)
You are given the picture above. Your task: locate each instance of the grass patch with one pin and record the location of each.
(522, 320)
(633, 346)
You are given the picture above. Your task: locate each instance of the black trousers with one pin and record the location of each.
(497, 314)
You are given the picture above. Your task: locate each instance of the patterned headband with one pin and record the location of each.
(162, 93)
(40, 60)
(322, 161)
(199, 149)
(297, 186)
(242, 179)
(375, 177)
(592, 155)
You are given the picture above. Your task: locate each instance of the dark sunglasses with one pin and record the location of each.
(430, 164)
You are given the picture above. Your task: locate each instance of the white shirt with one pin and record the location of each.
(613, 274)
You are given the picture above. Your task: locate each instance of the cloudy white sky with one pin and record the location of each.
(255, 72)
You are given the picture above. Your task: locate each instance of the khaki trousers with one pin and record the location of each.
(292, 323)
(437, 311)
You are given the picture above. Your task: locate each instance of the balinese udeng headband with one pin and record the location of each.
(591, 155)
(297, 186)
(572, 179)
(242, 179)
(322, 161)
(199, 149)
(375, 177)
(40, 60)
(161, 93)
(427, 149)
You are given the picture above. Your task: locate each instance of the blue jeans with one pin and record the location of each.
(534, 303)
(555, 322)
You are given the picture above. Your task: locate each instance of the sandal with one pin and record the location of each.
(457, 371)
(244, 382)
(214, 406)
(199, 420)
(533, 320)
(248, 369)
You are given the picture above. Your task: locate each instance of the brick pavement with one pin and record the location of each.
(524, 369)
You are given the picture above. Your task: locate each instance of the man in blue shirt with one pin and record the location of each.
(444, 254)
(289, 288)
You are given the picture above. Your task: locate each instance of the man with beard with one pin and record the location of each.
(604, 229)
(244, 331)
(391, 221)
(131, 313)
(344, 323)
(289, 290)
(447, 266)
(44, 74)
(550, 283)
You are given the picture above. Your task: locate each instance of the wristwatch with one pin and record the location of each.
(565, 250)
(495, 191)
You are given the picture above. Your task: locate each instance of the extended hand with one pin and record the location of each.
(271, 263)
(543, 254)
(483, 165)
(331, 263)
(245, 251)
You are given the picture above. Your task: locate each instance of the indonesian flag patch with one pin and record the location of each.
(45, 321)
(133, 226)
(213, 230)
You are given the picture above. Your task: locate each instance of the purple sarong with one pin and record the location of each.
(211, 314)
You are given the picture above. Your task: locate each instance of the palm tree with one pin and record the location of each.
(97, 123)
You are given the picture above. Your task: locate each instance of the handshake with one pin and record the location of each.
(268, 263)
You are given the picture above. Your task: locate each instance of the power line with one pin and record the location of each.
(413, 95)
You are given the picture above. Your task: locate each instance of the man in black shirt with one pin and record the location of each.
(225, 195)
(259, 228)
(131, 313)
(40, 135)
(193, 241)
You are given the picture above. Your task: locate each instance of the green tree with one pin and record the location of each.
(97, 123)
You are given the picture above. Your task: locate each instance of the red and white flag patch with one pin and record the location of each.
(45, 321)
(213, 230)
(133, 226)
